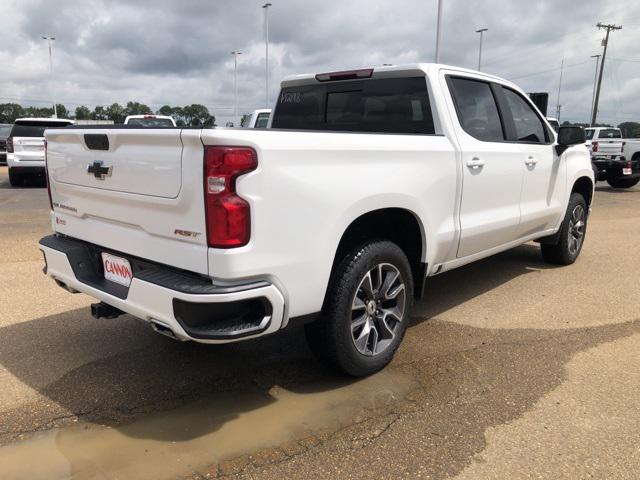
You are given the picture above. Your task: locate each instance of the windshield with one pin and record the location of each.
(34, 128)
(610, 133)
(150, 122)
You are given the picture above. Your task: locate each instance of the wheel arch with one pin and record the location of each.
(584, 186)
(396, 224)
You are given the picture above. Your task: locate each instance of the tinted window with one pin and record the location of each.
(589, 134)
(150, 122)
(398, 105)
(610, 133)
(263, 120)
(35, 128)
(529, 127)
(477, 109)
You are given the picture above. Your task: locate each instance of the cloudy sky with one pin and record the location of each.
(178, 52)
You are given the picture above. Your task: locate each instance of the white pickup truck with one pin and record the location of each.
(614, 159)
(368, 182)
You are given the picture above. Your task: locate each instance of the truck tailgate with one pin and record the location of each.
(136, 191)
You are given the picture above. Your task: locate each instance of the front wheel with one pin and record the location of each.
(623, 182)
(366, 311)
(572, 233)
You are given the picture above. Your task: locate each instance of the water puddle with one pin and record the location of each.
(169, 444)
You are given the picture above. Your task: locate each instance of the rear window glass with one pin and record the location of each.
(610, 133)
(589, 134)
(34, 129)
(150, 122)
(263, 120)
(4, 130)
(394, 105)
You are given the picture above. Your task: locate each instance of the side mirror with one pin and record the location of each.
(568, 136)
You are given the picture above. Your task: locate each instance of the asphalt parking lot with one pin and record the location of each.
(511, 369)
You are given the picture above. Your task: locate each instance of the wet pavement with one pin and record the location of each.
(511, 369)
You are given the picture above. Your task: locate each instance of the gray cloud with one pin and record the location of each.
(172, 52)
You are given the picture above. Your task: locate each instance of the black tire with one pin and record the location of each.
(566, 250)
(332, 337)
(623, 182)
(15, 179)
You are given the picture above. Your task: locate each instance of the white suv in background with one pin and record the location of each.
(25, 147)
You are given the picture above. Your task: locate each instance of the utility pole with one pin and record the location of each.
(439, 31)
(53, 83)
(558, 106)
(595, 79)
(266, 46)
(235, 85)
(608, 27)
(480, 31)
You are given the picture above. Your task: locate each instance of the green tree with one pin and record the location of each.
(166, 110)
(10, 111)
(136, 108)
(196, 115)
(62, 111)
(83, 113)
(116, 112)
(99, 113)
(630, 129)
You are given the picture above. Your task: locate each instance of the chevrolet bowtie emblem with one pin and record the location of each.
(98, 170)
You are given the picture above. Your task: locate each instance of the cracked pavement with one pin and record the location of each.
(511, 369)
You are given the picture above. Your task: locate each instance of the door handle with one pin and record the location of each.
(530, 161)
(475, 163)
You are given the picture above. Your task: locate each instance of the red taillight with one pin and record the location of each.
(346, 75)
(46, 174)
(228, 215)
(594, 146)
(10, 145)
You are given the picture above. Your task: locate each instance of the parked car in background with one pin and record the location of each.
(554, 123)
(257, 119)
(609, 161)
(151, 121)
(5, 129)
(25, 147)
(367, 182)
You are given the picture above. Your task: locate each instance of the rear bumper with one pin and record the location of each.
(24, 162)
(612, 168)
(187, 304)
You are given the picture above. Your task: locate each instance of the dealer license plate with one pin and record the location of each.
(117, 269)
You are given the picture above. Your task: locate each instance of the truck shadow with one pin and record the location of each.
(116, 372)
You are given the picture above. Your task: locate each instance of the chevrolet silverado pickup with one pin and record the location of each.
(612, 162)
(366, 183)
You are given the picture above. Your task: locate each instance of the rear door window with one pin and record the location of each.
(477, 109)
(394, 105)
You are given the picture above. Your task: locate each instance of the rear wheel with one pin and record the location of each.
(366, 310)
(15, 179)
(623, 182)
(572, 233)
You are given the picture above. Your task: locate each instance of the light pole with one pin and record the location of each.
(438, 31)
(266, 47)
(235, 84)
(53, 86)
(480, 31)
(595, 80)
